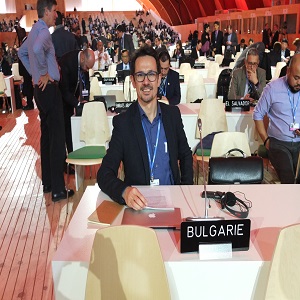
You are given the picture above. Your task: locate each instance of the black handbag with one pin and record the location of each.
(235, 170)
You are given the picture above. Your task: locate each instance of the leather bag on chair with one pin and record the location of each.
(235, 170)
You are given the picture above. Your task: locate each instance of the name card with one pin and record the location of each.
(109, 80)
(243, 105)
(181, 78)
(236, 232)
(199, 65)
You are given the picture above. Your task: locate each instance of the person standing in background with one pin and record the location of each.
(217, 39)
(38, 56)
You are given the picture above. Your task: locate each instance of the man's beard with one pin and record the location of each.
(292, 88)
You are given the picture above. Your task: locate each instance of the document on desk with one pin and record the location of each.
(157, 198)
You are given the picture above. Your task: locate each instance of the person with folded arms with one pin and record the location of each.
(280, 102)
(148, 139)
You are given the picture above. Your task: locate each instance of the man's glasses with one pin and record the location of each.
(140, 76)
(250, 63)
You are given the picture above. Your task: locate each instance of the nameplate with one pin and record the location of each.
(109, 80)
(243, 105)
(198, 65)
(236, 232)
(181, 78)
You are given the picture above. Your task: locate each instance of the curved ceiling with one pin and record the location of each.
(178, 12)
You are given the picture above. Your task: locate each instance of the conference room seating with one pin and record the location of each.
(15, 72)
(94, 131)
(284, 276)
(119, 95)
(195, 87)
(112, 70)
(213, 70)
(95, 89)
(213, 119)
(278, 68)
(129, 91)
(126, 263)
(185, 69)
(219, 59)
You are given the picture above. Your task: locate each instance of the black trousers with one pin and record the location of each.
(284, 158)
(53, 151)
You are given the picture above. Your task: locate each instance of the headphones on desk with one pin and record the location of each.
(228, 200)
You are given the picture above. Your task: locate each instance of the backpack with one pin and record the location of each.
(223, 83)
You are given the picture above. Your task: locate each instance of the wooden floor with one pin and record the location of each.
(31, 225)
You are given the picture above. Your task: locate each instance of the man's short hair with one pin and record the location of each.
(124, 50)
(285, 41)
(252, 51)
(42, 4)
(145, 50)
(164, 56)
(217, 23)
(120, 28)
(242, 40)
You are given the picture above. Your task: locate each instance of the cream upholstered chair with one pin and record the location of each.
(195, 87)
(15, 72)
(119, 95)
(284, 277)
(237, 55)
(213, 118)
(112, 70)
(219, 59)
(95, 89)
(278, 68)
(185, 69)
(126, 263)
(94, 131)
(2, 92)
(129, 91)
(213, 70)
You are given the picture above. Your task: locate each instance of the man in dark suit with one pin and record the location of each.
(146, 125)
(196, 52)
(230, 41)
(248, 81)
(74, 84)
(63, 40)
(285, 52)
(241, 46)
(125, 63)
(275, 36)
(124, 40)
(169, 89)
(159, 46)
(217, 38)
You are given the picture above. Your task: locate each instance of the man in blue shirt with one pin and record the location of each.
(38, 56)
(280, 101)
(148, 139)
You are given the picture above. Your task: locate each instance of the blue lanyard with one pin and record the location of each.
(151, 162)
(294, 108)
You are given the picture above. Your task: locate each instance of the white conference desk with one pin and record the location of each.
(237, 121)
(209, 83)
(241, 277)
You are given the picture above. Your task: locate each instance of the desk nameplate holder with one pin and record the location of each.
(242, 105)
(109, 80)
(234, 232)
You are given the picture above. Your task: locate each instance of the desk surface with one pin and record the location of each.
(188, 277)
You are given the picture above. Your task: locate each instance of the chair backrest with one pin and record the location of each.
(119, 95)
(15, 72)
(94, 128)
(278, 68)
(213, 117)
(185, 69)
(95, 89)
(213, 70)
(129, 91)
(2, 83)
(112, 70)
(284, 277)
(225, 141)
(237, 55)
(126, 263)
(219, 58)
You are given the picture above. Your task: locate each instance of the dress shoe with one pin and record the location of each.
(47, 188)
(71, 170)
(61, 195)
(27, 107)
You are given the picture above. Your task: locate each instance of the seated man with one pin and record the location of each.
(102, 58)
(125, 64)
(169, 89)
(285, 51)
(241, 46)
(282, 138)
(248, 81)
(196, 52)
(147, 125)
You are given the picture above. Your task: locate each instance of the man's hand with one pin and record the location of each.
(43, 81)
(252, 76)
(164, 98)
(134, 198)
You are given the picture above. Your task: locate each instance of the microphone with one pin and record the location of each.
(207, 202)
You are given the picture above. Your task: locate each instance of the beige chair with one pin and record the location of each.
(2, 92)
(237, 55)
(15, 72)
(219, 59)
(278, 68)
(185, 69)
(94, 131)
(126, 263)
(112, 70)
(195, 87)
(213, 70)
(284, 277)
(119, 95)
(213, 118)
(95, 89)
(129, 91)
